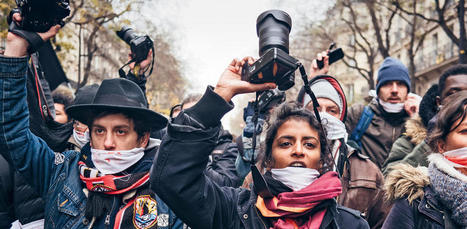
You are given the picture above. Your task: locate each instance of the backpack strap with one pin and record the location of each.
(362, 125)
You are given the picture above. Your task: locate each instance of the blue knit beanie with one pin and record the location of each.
(391, 70)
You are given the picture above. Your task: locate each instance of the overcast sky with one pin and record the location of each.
(208, 34)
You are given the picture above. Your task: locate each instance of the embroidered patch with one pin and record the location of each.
(145, 212)
(59, 158)
(163, 220)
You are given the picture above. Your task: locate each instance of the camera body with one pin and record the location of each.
(275, 64)
(139, 45)
(269, 99)
(39, 16)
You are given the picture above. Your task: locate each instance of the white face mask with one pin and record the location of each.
(295, 178)
(391, 107)
(80, 137)
(456, 155)
(111, 162)
(335, 128)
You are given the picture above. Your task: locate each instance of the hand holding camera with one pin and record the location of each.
(142, 52)
(231, 84)
(17, 46)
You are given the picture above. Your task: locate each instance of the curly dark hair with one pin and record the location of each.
(293, 111)
(453, 109)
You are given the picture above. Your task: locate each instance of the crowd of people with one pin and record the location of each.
(108, 161)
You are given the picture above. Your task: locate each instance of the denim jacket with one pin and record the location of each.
(54, 175)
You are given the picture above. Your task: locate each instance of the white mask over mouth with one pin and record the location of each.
(80, 137)
(391, 107)
(335, 128)
(111, 162)
(295, 178)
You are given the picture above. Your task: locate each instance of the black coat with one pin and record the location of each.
(177, 176)
(424, 213)
(18, 200)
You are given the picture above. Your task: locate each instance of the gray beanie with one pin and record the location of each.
(323, 89)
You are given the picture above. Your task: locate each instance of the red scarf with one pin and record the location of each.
(287, 208)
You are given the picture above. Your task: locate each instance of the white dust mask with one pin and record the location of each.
(81, 137)
(335, 128)
(111, 162)
(391, 107)
(457, 158)
(295, 178)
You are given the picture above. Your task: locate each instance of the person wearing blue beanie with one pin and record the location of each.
(392, 107)
(392, 70)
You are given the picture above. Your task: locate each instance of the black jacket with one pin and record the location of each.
(221, 166)
(18, 200)
(177, 176)
(424, 213)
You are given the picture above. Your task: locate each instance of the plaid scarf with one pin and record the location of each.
(301, 209)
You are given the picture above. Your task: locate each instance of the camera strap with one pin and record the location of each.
(306, 85)
(34, 40)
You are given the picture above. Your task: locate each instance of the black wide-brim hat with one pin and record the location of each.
(118, 95)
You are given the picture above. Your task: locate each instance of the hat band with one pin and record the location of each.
(117, 100)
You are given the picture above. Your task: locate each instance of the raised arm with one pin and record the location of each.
(177, 174)
(24, 151)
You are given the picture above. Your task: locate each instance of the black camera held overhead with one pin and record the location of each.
(275, 64)
(140, 46)
(37, 17)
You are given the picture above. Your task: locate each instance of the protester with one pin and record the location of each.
(63, 97)
(434, 198)
(80, 137)
(453, 80)
(361, 179)
(110, 187)
(411, 147)
(385, 116)
(295, 159)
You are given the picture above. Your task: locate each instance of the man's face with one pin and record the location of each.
(115, 132)
(326, 105)
(60, 114)
(393, 92)
(454, 84)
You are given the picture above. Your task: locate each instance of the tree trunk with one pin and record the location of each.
(462, 35)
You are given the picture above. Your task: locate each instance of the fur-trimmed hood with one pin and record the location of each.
(405, 181)
(415, 130)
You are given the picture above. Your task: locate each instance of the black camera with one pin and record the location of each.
(39, 16)
(139, 45)
(275, 64)
(270, 99)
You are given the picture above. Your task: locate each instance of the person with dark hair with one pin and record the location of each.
(104, 185)
(63, 98)
(375, 127)
(452, 80)
(297, 189)
(80, 137)
(434, 197)
(411, 147)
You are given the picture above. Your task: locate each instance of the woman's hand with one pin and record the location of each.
(230, 83)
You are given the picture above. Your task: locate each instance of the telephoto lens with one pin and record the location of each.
(273, 28)
(127, 34)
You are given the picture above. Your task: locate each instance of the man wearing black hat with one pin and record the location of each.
(104, 186)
